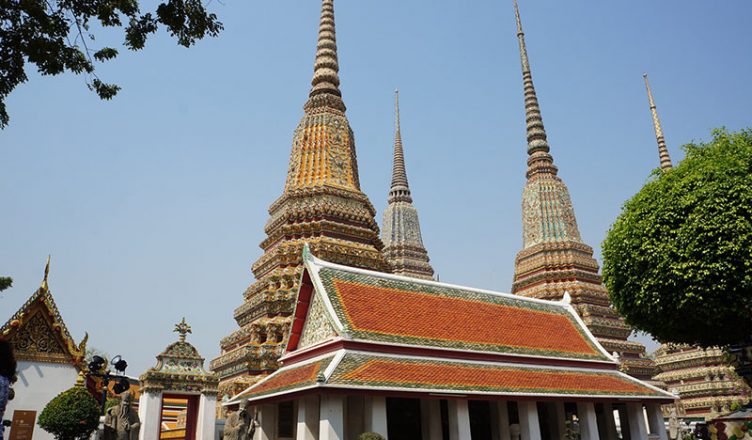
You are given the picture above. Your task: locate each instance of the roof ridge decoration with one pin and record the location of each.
(52, 341)
(663, 155)
(403, 241)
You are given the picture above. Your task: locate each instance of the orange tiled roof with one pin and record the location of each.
(361, 371)
(384, 308)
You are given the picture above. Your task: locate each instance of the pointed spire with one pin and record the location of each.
(325, 84)
(399, 189)
(44, 285)
(539, 161)
(662, 150)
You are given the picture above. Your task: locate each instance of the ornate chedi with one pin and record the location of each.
(554, 260)
(322, 205)
(403, 244)
(39, 334)
(706, 384)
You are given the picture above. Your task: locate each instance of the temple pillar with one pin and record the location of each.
(529, 423)
(308, 418)
(375, 412)
(655, 421)
(638, 430)
(206, 416)
(430, 419)
(588, 421)
(502, 419)
(267, 417)
(459, 419)
(331, 418)
(150, 414)
(610, 425)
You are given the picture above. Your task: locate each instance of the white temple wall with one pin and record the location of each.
(38, 383)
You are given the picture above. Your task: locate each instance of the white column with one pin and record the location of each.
(150, 412)
(561, 419)
(308, 418)
(207, 416)
(588, 422)
(459, 420)
(331, 419)
(502, 409)
(375, 412)
(655, 421)
(430, 419)
(608, 414)
(267, 429)
(529, 423)
(638, 430)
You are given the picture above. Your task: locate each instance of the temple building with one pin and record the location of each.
(554, 260)
(403, 243)
(702, 378)
(322, 204)
(49, 360)
(411, 358)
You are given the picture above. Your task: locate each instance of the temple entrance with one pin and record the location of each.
(480, 419)
(178, 418)
(403, 419)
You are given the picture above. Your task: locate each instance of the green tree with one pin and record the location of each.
(5, 283)
(678, 259)
(56, 36)
(72, 415)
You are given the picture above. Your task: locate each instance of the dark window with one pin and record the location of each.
(480, 419)
(403, 419)
(285, 419)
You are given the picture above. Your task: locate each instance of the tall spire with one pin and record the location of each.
(322, 206)
(554, 261)
(403, 243)
(325, 83)
(662, 150)
(539, 161)
(399, 189)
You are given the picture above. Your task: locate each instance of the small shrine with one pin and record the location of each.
(178, 396)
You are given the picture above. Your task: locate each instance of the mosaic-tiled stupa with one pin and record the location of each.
(554, 259)
(403, 243)
(706, 384)
(322, 205)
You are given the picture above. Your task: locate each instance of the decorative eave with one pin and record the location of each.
(56, 345)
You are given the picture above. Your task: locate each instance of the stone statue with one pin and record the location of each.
(239, 425)
(674, 428)
(121, 422)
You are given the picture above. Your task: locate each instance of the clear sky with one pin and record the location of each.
(153, 205)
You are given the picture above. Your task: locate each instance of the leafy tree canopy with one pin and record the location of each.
(55, 36)
(72, 415)
(678, 259)
(5, 283)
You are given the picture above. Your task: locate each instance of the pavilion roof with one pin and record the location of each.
(371, 306)
(372, 372)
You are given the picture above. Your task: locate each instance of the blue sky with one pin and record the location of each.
(153, 205)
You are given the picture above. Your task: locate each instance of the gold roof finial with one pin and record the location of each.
(662, 149)
(44, 285)
(182, 328)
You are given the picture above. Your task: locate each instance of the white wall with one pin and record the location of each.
(38, 383)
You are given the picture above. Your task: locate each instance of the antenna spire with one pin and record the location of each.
(662, 149)
(539, 160)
